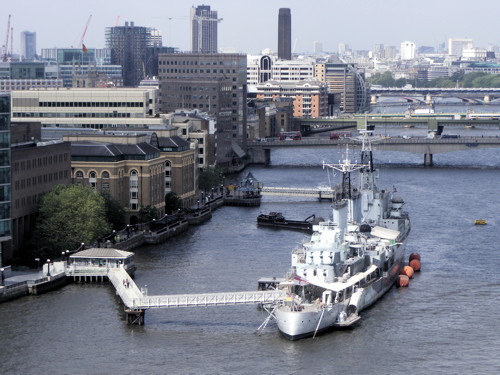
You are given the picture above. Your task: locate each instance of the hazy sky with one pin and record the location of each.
(250, 26)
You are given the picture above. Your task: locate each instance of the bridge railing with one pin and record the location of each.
(210, 299)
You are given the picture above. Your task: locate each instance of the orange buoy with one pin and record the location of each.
(415, 264)
(414, 256)
(408, 271)
(402, 281)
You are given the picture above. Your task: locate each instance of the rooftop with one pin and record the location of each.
(107, 253)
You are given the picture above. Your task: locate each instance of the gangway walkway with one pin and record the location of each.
(125, 287)
(318, 193)
(211, 299)
(136, 302)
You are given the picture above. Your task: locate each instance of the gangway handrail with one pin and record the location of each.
(210, 299)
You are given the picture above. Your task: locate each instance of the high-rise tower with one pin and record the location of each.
(285, 34)
(129, 45)
(28, 45)
(204, 29)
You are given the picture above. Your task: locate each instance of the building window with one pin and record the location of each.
(134, 179)
(168, 169)
(93, 179)
(105, 175)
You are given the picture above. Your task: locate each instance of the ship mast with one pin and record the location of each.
(346, 167)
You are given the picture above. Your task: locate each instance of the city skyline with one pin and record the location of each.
(254, 27)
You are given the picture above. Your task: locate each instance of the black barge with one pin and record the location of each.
(276, 219)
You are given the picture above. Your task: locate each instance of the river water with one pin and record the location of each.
(445, 322)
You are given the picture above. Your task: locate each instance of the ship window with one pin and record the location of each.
(348, 292)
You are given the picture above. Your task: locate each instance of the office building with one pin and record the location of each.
(342, 49)
(98, 108)
(310, 98)
(456, 46)
(70, 74)
(263, 68)
(407, 50)
(348, 85)
(317, 47)
(390, 52)
(204, 22)
(8, 85)
(128, 46)
(474, 54)
(28, 45)
(77, 56)
(197, 127)
(5, 181)
(284, 34)
(212, 83)
(37, 167)
(27, 75)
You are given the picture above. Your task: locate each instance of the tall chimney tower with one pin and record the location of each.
(285, 34)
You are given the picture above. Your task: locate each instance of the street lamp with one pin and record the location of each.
(48, 267)
(62, 255)
(3, 278)
(198, 204)
(37, 260)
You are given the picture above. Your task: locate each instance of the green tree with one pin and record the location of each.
(210, 177)
(115, 214)
(172, 203)
(384, 79)
(68, 216)
(148, 213)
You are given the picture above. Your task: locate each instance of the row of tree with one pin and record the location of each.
(470, 80)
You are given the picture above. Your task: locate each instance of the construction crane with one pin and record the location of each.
(80, 45)
(11, 43)
(6, 45)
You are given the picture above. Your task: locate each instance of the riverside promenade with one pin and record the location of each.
(15, 284)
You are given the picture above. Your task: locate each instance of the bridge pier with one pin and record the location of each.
(134, 317)
(260, 155)
(487, 99)
(428, 99)
(373, 99)
(428, 160)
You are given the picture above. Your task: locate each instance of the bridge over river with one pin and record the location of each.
(437, 122)
(260, 151)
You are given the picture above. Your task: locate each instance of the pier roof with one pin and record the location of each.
(107, 253)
